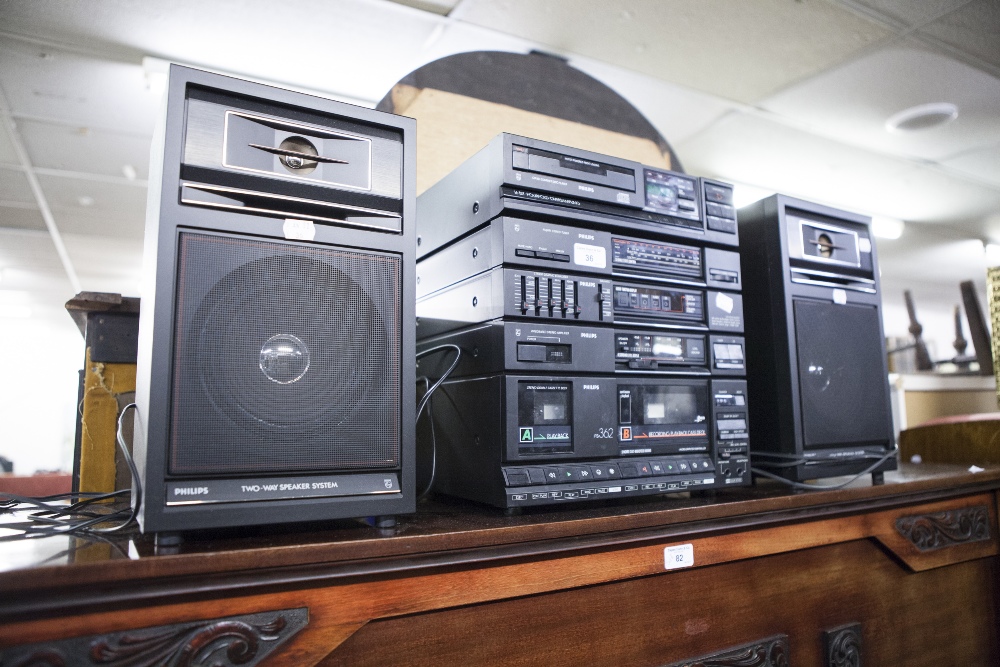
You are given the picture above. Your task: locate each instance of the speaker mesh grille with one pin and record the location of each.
(842, 384)
(286, 358)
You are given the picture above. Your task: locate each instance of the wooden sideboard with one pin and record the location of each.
(899, 574)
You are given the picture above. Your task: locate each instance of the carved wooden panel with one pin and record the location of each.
(843, 646)
(770, 652)
(223, 642)
(944, 529)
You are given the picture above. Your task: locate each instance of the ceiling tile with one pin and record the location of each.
(92, 207)
(982, 164)
(28, 249)
(974, 29)
(357, 48)
(16, 217)
(7, 153)
(911, 13)
(676, 112)
(763, 153)
(955, 257)
(14, 187)
(852, 103)
(739, 51)
(86, 150)
(75, 89)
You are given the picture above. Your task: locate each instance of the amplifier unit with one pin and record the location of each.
(540, 440)
(276, 345)
(528, 178)
(541, 347)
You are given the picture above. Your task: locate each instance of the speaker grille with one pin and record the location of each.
(842, 384)
(286, 358)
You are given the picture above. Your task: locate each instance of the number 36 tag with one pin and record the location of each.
(680, 556)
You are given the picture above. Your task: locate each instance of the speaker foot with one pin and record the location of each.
(878, 478)
(167, 543)
(384, 522)
(512, 511)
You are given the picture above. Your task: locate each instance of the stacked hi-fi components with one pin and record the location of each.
(597, 306)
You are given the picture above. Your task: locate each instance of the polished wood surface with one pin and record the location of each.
(914, 561)
(962, 439)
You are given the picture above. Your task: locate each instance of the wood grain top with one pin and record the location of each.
(445, 533)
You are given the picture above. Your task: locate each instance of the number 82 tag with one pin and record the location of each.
(681, 555)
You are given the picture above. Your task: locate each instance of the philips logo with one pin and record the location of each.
(585, 188)
(593, 387)
(588, 335)
(588, 237)
(191, 491)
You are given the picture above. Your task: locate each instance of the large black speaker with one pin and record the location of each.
(276, 343)
(816, 362)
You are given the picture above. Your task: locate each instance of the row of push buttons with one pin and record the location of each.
(635, 301)
(554, 256)
(719, 209)
(628, 469)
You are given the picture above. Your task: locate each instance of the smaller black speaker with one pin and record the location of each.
(275, 379)
(816, 362)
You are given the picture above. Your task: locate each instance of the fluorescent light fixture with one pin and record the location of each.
(992, 253)
(887, 228)
(744, 194)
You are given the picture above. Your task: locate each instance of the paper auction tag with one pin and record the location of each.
(680, 556)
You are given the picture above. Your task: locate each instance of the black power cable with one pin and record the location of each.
(49, 515)
(425, 401)
(819, 487)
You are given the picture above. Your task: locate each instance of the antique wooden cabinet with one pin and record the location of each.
(899, 574)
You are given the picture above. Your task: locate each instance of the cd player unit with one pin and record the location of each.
(524, 177)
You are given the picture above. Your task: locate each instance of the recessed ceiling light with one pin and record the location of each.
(922, 117)
(85, 200)
(887, 228)
(128, 171)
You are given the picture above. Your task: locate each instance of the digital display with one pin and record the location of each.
(671, 194)
(661, 195)
(668, 346)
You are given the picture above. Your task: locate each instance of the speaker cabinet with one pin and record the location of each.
(276, 342)
(816, 362)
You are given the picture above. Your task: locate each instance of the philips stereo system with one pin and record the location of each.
(597, 304)
(601, 325)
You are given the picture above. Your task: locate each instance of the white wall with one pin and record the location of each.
(41, 360)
